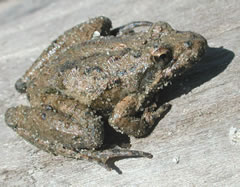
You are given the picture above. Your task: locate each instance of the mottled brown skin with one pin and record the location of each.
(79, 80)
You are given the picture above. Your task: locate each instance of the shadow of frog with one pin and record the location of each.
(214, 62)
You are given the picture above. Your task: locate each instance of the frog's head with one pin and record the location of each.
(171, 54)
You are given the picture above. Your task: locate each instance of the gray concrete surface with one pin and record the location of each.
(198, 141)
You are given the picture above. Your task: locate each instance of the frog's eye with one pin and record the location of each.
(162, 56)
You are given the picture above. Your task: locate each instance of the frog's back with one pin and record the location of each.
(97, 72)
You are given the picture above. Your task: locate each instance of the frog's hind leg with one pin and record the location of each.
(76, 35)
(63, 135)
(48, 129)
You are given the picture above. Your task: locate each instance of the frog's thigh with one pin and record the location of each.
(48, 130)
(76, 35)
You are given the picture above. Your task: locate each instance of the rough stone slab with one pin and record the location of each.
(197, 142)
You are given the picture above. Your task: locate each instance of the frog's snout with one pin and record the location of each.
(10, 117)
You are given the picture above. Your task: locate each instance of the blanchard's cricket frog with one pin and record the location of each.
(93, 74)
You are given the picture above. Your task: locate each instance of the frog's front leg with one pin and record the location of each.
(127, 118)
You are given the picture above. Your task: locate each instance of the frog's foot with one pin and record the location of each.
(152, 115)
(105, 158)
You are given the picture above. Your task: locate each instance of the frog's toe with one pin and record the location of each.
(10, 117)
(21, 86)
(106, 158)
(118, 154)
(127, 153)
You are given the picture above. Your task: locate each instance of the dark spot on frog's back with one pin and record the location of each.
(91, 69)
(136, 53)
(187, 44)
(122, 72)
(43, 115)
(68, 65)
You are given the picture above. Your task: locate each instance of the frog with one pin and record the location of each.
(94, 75)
